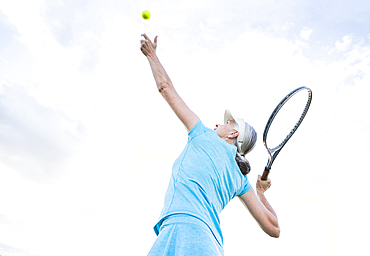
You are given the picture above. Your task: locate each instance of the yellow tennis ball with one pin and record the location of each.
(146, 15)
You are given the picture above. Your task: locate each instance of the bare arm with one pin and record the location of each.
(165, 86)
(261, 210)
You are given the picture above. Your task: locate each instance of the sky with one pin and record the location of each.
(87, 143)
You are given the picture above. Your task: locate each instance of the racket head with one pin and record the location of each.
(284, 121)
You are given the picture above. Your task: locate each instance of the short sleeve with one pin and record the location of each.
(197, 130)
(245, 187)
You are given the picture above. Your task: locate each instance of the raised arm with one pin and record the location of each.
(165, 86)
(260, 208)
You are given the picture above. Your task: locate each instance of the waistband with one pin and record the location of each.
(183, 218)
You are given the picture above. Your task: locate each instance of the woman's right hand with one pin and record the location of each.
(147, 47)
(263, 185)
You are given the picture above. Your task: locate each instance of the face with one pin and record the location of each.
(226, 130)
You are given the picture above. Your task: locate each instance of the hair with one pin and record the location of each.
(243, 163)
(250, 138)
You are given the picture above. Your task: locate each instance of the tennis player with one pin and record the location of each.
(210, 172)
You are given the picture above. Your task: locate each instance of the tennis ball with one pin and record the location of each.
(146, 15)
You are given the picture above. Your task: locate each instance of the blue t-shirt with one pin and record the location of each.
(205, 177)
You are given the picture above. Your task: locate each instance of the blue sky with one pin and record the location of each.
(87, 143)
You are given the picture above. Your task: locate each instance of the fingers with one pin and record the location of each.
(263, 184)
(146, 37)
(155, 42)
(142, 46)
(260, 178)
(147, 47)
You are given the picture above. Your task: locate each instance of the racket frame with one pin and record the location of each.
(273, 152)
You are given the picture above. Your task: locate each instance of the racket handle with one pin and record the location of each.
(265, 174)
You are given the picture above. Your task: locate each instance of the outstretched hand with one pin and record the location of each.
(263, 185)
(147, 47)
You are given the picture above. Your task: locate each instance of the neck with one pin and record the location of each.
(230, 141)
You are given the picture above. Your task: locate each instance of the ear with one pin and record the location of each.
(233, 135)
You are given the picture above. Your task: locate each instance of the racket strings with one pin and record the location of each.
(292, 108)
(297, 124)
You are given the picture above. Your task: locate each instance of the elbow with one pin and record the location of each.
(275, 233)
(272, 230)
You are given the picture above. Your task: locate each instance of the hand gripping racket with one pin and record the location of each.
(289, 113)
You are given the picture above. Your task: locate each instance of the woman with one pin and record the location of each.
(207, 175)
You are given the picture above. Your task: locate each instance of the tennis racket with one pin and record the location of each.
(283, 122)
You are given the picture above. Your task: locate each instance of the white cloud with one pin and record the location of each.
(34, 140)
(343, 44)
(306, 33)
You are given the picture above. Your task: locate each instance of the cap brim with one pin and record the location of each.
(228, 116)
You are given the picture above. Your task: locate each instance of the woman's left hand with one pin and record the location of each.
(263, 185)
(147, 47)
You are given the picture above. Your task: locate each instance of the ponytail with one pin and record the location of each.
(243, 163)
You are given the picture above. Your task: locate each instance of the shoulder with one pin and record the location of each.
(200, 129)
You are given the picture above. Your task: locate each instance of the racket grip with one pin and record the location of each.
(265, 174)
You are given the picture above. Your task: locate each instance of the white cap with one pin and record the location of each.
(240, 127)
